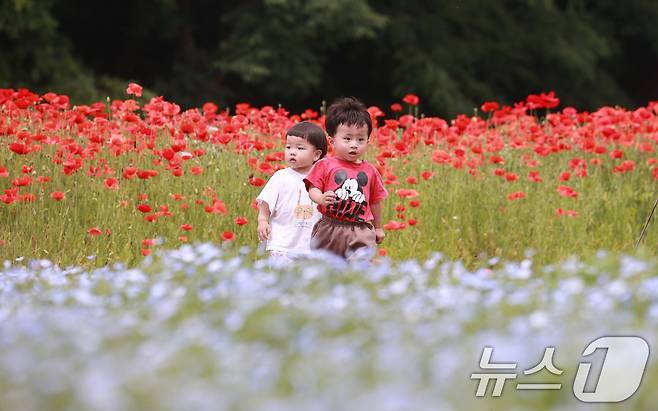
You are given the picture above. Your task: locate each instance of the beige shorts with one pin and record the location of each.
(346, 239)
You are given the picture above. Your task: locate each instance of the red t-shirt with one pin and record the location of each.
(357, 186)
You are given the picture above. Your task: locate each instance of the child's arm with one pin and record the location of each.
(377, 221)
(264, 228)
(318, 197)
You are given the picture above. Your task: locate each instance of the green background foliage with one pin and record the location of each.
(453, 54)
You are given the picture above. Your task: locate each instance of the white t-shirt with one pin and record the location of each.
(293, 214)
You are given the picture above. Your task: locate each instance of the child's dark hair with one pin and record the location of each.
(311, 133)
(348, 111)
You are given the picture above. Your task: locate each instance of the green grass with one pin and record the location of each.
(462, 216)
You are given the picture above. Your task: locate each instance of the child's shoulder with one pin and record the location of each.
(285, 173)
(367, 165)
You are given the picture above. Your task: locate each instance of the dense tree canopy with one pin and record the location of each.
(453, 54)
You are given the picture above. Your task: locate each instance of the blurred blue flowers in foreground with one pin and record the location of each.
(199, 329)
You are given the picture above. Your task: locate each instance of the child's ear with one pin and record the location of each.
(317, 155)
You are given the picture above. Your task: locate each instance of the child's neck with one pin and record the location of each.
(357, 161)
(302, 170)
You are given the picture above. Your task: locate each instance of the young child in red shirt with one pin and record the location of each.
(348, 190)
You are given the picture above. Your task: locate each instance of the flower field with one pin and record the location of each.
(199, 329)
(132, 278)
(95, 184)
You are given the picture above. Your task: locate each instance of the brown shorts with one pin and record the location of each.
(343, 238)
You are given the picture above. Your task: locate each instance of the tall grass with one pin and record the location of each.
(463, 216)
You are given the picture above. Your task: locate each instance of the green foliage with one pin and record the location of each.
(453, 54)
(279, 46)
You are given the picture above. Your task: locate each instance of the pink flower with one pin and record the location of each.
(134, 89)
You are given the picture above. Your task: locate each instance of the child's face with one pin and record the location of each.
(350, 142)
(300, 154)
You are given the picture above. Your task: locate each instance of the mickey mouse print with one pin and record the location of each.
(356, 185)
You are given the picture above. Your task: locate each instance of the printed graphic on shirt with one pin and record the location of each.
(350, 199)
(303, 213)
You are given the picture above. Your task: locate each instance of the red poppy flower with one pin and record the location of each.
(489, 106)
(382, 252)
(144, 208)
(22, 181)
(112, 183)
(412, 221)
(129, 172)
(186, 227)
(94, 231)
(566, 191)
(407, 193)
(414, 203)
(256, 181)
(394, 225)
(217, 207)
(182, 238)
(57, 195)
(565, 176)
(19, 148)
(496, 160)
(516, 196)
(134, 89)
(228, 236)
(375, 112)
(412, 180)
(146, 251)
(411, 99)
(511, 177)
(241, 220)
(148, 242)
(3, 172)
(534, 177)
(196, 170)
(396, 108)
(309, 114)
(426, 175)
(617, 154)
(543, 100)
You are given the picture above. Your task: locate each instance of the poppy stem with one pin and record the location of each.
(644, 229)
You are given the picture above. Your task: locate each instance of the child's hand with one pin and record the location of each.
(264, 230)
(328, 198)
(379, 235)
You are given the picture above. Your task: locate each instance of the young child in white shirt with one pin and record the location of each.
(286, 214)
